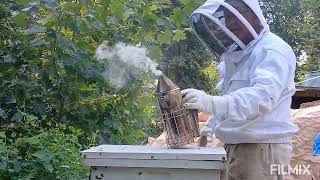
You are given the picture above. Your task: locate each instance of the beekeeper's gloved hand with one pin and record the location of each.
(196, 99)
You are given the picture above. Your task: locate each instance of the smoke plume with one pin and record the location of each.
(122, 61)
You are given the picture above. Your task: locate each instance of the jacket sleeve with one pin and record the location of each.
(212, 121)
(221, 69)
(268, 80)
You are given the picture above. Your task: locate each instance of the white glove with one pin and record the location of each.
(196, 99)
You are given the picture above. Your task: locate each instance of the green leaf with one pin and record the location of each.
(3, 114)
(162, 22)
(8, 59)
(34, 29)
(84, 26)
(31, 118)
(127, 112)
(35, 140)
(23, 2)
(155, 52)
(188, 10)
(48, 166)
(149, 36)
(31, 9)
(185, 2)
(2, 135)
(43, 155)
(4, 11)
(165, 37)
(179, 35)
(39, 107)
(128, 13)
(120, 129)
(45, 19)
(178, 18)
(149, 20)
(45, 158)
(65, 166)
(38, 42)
(153, 8)
(3, 165)
(139, 134)
(71, 7)
(117, 9)
(17, 117)
(97, 25)
(83, 11)
(105, 3)
(17, 165)
(20, 19)
(100, 13)
(50, 4)
(10, 99)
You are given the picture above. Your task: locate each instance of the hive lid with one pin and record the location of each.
(154, 153)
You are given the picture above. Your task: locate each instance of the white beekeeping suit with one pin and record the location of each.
(257, 77)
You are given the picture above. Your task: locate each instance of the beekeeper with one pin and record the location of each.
(257, 71)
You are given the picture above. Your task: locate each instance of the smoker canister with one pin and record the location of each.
(181, 124)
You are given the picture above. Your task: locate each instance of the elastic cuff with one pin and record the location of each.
(220, 105)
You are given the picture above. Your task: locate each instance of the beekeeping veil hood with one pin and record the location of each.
(208, 22)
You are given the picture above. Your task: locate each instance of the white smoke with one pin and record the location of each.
(123, 58)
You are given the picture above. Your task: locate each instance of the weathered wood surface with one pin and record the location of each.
(151, 152)
(153, 174)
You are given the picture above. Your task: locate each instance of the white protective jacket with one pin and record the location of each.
(257, 90)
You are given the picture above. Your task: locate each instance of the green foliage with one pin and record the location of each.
(53, 96)
(41, 153)
(54, 101)
(297, 22)
(213, 75)
(183, 62)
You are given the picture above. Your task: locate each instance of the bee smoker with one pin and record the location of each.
(181, 124)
